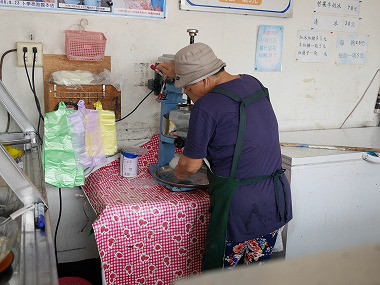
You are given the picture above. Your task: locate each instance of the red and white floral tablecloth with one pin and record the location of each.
(145, 233)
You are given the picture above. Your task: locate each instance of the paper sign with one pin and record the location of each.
(342, 7)
(269, 48)
(337, 23)
(351, 49)
(313, 46)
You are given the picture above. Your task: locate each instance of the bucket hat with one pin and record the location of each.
(194, 63)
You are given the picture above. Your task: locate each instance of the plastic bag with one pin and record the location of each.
(107, 128)
(72, 78)
(92, 138)
(59, 163)
(78, 132)
(105, 77)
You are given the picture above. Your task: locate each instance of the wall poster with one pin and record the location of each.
(269, 48)
(133, 8)
(278, 8)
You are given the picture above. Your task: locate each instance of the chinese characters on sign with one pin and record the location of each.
(28, 4)
(313, 46)
(335, 23)
(269, 48)
(333, 16)
(351, 49)
(342, 16)
(137, 8)
(348, 7)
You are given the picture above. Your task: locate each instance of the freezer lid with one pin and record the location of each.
(292, 156)
(355, 137)
(368, 137)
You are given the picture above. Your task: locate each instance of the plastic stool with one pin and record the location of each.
(73, 281)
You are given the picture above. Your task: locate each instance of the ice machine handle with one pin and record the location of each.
(371, 157)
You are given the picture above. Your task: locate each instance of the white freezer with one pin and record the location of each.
(336, 194)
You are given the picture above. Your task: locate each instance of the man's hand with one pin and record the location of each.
(167, 69)
(186, 167)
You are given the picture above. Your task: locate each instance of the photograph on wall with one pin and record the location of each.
(133, 8)
(89, 5)
(150, 8)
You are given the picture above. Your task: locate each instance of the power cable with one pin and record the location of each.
(1, 78)
(33, 88)
(37, 101)
(32, 84)
(373, 78)
(56, 228)
(135, 107)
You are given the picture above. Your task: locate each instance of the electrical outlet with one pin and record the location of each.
(29, 54)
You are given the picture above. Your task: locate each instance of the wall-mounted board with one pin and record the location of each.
(278, 8)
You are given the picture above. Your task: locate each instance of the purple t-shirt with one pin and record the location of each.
(212, 134)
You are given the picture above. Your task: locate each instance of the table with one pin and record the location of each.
(145, 233)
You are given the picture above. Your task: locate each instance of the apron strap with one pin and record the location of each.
(256, 96)
(276, 177)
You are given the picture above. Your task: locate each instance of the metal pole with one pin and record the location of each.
(192, 34)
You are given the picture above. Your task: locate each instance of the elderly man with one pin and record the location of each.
(233, 125)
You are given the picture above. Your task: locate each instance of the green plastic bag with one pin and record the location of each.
(59, 163)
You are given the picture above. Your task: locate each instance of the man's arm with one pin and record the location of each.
(187, 166)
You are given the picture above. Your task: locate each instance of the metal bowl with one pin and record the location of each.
(165, 175)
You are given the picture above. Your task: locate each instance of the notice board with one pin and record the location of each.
(277, 8)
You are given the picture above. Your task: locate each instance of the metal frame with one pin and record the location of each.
(15, 111)
(37, 260)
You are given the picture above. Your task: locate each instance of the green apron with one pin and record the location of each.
(222, 189)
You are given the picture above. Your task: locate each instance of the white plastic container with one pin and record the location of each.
(128, 164)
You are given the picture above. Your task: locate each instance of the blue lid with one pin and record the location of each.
(129, 155)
